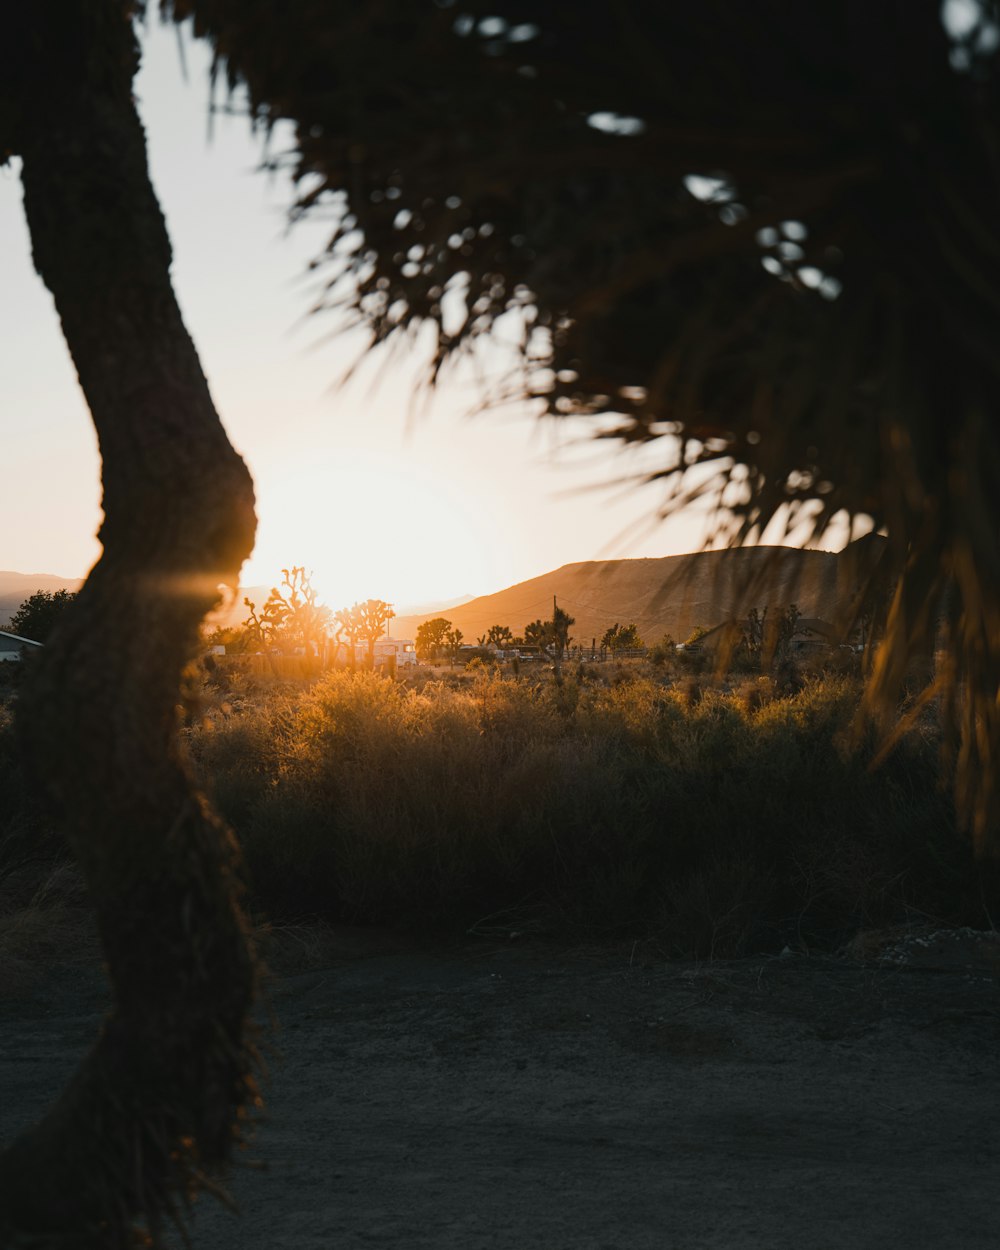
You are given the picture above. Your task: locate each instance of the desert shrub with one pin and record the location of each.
(716, 824)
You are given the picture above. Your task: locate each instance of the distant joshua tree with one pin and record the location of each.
(291, 615)
(453, 643)
(373, 616)
(364, 622)
(621, 638)
(431, 637)
(500, 636)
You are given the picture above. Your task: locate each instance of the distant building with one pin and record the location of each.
(528, 653)
(12, 646)
(401, 651)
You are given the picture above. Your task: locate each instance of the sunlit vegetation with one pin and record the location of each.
(705, 819)
(631, 801)
(291, 615)
(293, 622)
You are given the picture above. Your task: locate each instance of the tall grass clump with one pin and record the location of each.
(711, 823)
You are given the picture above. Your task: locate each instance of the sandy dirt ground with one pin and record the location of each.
(519, 1097)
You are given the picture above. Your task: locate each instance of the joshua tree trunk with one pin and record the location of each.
(157, 1103)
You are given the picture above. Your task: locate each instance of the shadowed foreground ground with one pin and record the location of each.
(517, 1097)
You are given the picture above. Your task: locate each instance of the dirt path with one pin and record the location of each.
(523, 1098)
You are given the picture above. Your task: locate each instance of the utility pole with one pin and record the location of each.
(558, 641)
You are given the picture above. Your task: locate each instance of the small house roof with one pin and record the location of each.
(12, 642)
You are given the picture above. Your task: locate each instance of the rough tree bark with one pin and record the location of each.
(159, 1102)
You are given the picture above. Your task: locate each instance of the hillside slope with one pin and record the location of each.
(670, 595)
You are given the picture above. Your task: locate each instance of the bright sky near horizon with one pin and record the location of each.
(377, 502)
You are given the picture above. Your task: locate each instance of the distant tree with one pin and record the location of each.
(453, 643)
(560, 638)
(263, 627)
(431, 636)
(559, 628)
(787, 624)
(347, 624)
(38, 614)
(696, 635)
(765, 641)
(237, 639)
(304, 619)
(754, 632)
(621, 638)
(536, 633)
(363, 622)
(373, 616)
(291, 616)
(499, 636)
(552, 634)
(663, 650)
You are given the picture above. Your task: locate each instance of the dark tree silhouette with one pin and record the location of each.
(499, 636)
(373, 616)
(263, 626)
(537, 633)
(763, 235)
(39, 614)
(431, 637)
(364, 622)
(291, 615)
(452, 643)
(621, 638)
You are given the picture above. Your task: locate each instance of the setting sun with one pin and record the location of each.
(372, 524)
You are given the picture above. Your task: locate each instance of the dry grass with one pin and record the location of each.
(706, 818)
(713, 818)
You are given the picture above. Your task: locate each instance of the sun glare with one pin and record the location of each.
(371, 525)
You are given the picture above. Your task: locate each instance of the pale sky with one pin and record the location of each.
(378, 505)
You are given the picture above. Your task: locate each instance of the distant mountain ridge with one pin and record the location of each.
(670, 595)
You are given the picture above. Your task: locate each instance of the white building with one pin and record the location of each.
(402, 651)
(13, 645)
